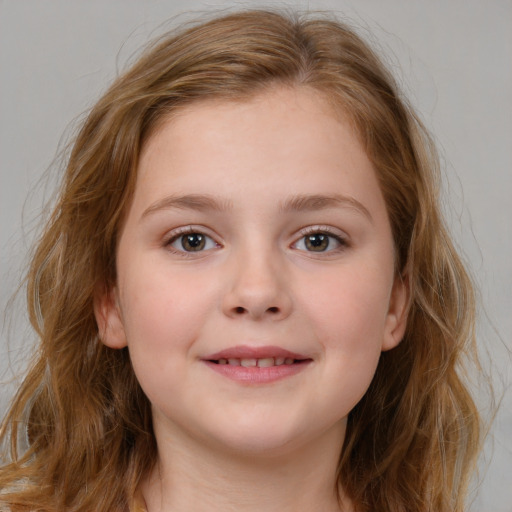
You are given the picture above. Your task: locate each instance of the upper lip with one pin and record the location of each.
(247, 352)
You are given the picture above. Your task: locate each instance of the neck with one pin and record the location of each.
(194, 476)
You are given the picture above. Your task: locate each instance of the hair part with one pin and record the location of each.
(412, 440)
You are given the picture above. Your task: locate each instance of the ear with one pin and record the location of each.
(396, 320)
(109, 319)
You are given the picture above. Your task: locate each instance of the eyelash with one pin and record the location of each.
(324, 230)
(309, 231)
(179, 233)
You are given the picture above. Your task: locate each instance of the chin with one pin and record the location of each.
(263, 446)
(265, 439)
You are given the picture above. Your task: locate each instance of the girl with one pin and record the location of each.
(246, 296)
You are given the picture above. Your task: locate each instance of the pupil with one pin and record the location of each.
(317, 242)
(193, 242)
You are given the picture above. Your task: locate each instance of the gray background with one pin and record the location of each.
(453, 58)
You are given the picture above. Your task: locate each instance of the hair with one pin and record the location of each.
(78, 435)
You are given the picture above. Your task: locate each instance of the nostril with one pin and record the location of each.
(240, 310)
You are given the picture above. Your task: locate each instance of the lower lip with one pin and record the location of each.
(256, 375)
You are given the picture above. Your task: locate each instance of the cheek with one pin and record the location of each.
(349, 319)
(350, 310)
(161, 314)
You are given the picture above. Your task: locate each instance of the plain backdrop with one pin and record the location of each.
(453, 59)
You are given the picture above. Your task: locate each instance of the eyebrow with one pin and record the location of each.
(308, 202)
(199, 202)
(296, 203)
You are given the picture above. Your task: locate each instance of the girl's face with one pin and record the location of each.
(256, 286)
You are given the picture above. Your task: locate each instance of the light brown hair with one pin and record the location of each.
(411, 442)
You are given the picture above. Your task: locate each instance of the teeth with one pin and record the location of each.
(265, 362)
(247, 363)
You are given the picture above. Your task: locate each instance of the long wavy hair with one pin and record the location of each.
(78, 435)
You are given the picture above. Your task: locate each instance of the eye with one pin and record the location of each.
(320, 241)
(191, 241)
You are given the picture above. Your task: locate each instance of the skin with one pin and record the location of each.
(223, 444)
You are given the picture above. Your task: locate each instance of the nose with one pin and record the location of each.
(257, 288)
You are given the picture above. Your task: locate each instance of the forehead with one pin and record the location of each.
(276, 117)
(283, 137)
(286, 100)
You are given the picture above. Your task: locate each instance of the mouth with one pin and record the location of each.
(264, 362)
(257, 365)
